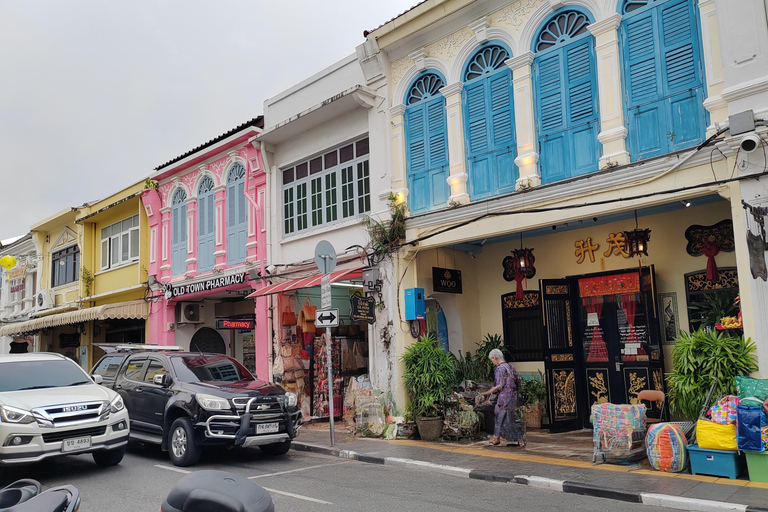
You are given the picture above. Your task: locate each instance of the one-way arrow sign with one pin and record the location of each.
(327, 318)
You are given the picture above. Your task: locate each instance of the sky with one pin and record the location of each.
(94, 94)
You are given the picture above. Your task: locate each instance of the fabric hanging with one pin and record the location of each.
(710, 250)
(629, 305)
(598, 351)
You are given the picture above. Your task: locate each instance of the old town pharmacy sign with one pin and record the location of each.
(446, 280)
(178, 290)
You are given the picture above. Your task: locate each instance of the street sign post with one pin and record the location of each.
(327, 317)
(325, 259)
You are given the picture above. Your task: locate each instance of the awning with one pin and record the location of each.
(137, 309)
(306, 282)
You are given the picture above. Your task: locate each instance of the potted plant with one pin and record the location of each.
(697, 358)
(429, 378)
(532, 396)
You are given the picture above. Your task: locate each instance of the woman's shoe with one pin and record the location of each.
(495, 441)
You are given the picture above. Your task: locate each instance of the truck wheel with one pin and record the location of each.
(276, 448)
(182, 448)
(109, 457)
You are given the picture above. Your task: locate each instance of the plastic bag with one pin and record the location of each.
(724, 411)
(752, 392)
(749, 430)
(714, 436)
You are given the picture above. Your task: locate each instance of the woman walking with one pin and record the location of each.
(506, 382)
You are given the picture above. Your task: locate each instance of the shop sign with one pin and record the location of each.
(69, 340)
(362, 309)
(586, 248)
(178, 290)
(446, 280)
(17, 287)
(245, 325)
(17, 273)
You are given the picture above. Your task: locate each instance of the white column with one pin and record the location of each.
(399, 182)
(525, 129)
(713, 63)
(457, 176)
(612, 130)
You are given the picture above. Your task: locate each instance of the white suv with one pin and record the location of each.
(49, 406)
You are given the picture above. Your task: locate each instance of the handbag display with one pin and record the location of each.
(359, 360)
(289, 317)
(309, 310)
(286, 351)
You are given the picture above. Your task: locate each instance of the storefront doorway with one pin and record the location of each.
(600, 341)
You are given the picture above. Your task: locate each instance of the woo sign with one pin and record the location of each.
(446, 280)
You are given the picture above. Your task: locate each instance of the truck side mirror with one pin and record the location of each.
(160, 380)
(98, 379)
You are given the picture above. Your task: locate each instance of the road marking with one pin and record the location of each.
(171, 468)
(295, 470)
(299, 496)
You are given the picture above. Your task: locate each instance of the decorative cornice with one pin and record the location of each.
(457, 179)
(714, 102)
(612, 22)
(451, 89)
(418, 58)
(619, 133)
(364, 98)
(480, 28)
(397, 110)
(745, 89)
(522, 60)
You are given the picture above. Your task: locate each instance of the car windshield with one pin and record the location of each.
(108, 366)
(22, 375)
(209, 368)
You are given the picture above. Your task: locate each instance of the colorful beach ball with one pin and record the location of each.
(665, 444)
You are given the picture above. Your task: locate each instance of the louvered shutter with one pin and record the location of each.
(678, 42)
(242, 226)
(205, 232)
(550, 94)
(476, 119)
(437, 154)
(581, 84)
(418, 194)
(502, 132)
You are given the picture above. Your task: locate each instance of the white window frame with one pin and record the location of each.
(306, 216)
(113, 239)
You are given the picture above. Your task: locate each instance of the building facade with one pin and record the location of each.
(17, 295)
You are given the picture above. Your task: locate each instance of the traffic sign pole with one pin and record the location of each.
(325, 287)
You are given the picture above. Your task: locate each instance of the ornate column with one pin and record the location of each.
(220, 216)
(527, 158)
(165, 244)
(399, 182)
(613, 133)
(713, 64)
(457, 174)
(191, 260)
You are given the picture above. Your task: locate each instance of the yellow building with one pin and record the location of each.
(92, 277)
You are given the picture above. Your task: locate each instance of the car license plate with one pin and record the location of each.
(267, 428)
(76, 443)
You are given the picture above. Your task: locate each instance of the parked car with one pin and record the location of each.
(184, 401)
(115, 354)
(49, 406)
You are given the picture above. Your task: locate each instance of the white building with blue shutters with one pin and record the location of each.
(584, 171)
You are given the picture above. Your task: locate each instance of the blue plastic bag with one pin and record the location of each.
(749, 428)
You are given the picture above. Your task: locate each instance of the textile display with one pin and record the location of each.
(442, 330)
(751, 391)
(665, 446)
(714, 436)
(609, 285)
(749, 429)
(618, 432)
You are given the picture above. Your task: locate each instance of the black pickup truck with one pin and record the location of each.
(184, 401)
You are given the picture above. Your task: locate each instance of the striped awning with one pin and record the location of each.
(136, 309)
(307, 282)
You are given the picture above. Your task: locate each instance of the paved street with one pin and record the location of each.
(299, 481)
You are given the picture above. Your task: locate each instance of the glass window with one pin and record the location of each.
(133, 371)
(209, 367)
(154, 368)
(108, 366)
(65, 266)
(120, 243)
(22, 375)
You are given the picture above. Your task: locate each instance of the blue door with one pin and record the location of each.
(206, 244)
(179, 233)
(236, 216)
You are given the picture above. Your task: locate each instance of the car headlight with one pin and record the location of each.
(212, 403)
(117, 404)
(291, 399)
(13, 415)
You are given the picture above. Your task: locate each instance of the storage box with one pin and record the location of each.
(757, 464)
(716, 462)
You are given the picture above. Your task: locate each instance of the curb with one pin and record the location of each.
(549, 484)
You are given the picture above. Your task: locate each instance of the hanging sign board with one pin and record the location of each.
(446, 280)
(362, 309)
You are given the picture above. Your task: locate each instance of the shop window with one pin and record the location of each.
(179, 232)
(565, 96)
(237, 230)
(322, 191)
(120, 243)
(663, 76)
(523, 335)
(708, 301)
(489, 123)
(206, 230)
(426, 146)
(65, 266)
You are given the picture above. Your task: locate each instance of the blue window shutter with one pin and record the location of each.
(678, 41)
(427, 154)
(242, 225)
(418, 199)
(581, 83)
(476, 119)
(501, 111)
(205, 231)
(550, 94)
(178, 239)
(439, 191)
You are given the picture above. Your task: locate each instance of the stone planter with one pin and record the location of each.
(430, 429)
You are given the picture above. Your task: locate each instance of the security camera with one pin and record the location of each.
(750, 142)
(270, 269)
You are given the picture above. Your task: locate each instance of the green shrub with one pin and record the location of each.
(429, 376)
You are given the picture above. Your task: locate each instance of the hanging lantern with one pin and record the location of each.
(519, 266)
(636, 241)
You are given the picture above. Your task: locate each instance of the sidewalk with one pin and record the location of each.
(560, 462)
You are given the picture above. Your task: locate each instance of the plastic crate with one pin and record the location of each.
(757, 464)
(725, 463)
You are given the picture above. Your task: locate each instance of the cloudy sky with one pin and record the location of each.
(94, 94)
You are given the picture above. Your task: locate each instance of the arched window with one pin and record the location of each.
(662, 75)
(179, 232)
(489, 123)
(565, 89)
(426, 147)
(237, 232)
(206, 244)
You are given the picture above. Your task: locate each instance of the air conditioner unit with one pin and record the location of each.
(189, 313)
(44, 299)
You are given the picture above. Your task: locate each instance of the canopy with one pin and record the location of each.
(307, 282)
(137, 309)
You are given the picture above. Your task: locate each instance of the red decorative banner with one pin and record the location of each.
(609, 285)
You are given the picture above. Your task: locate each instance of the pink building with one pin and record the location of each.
(207, 237)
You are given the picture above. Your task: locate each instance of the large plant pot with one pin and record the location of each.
(532, 416)
(430, 429)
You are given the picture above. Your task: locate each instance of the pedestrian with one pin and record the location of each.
(506, 383)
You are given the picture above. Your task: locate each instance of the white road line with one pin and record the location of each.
(299, 496)
(294, 470)
(171, 468)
